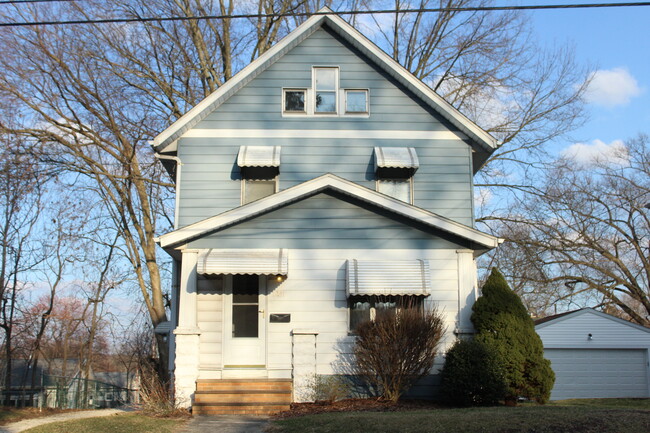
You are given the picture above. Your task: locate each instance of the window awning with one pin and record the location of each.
(244, 261)
(410, 277)
(259, 156)
(396, 161)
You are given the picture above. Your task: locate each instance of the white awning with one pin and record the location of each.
(410, 277)
(396, 157)
(244, 261)
(259, 156)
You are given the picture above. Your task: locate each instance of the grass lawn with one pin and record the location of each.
(128, 423)
(580, 416)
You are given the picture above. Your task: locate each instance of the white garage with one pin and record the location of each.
(595, 355)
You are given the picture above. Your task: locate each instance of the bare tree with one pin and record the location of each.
(20, 206)
(584, 238)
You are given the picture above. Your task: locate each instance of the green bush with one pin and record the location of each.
(502, 322)
(472, 375)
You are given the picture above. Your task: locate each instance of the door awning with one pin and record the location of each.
(411, 277)
(244, 261)
(395, 160)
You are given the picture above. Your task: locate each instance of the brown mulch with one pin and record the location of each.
(355, 405)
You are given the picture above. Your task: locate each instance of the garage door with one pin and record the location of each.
(598, 373)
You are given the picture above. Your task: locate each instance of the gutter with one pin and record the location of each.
(177, 182)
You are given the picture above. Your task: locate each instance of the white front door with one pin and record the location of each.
(245, 318)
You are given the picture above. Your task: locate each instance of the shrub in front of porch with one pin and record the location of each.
(396, 349)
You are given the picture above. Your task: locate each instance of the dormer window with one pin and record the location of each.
(394, 168)
(259, 167)
(326, 89)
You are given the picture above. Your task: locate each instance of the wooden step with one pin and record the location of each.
(242, 396)
(245, 409)
(273, 396)
(243, 384)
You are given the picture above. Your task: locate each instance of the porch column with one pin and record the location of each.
(467, 291)
(303, 363)
(187, 333)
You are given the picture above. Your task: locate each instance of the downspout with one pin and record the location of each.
(179, 164)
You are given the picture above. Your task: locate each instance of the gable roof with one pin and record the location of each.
(481, 141)
(326, 182)
(551, 320)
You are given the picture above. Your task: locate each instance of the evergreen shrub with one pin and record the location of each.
(502, 323)
(472, 375)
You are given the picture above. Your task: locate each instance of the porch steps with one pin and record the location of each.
(241, 396)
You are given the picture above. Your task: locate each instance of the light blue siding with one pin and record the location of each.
(323, 222)
(210, 181)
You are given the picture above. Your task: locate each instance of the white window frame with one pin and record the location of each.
(409, 180)
(356, 113)
(336, 91)
(295, 89)
(414, 300)
(245, 180)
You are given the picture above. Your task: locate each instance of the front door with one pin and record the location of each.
(244, 328)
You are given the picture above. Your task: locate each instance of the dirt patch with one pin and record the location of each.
(11, 414)
(355, 405)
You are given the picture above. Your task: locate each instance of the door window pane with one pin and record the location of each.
(245, 321)
(245, 306)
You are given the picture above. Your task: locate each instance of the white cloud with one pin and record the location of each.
(598, 152)
(612, 87)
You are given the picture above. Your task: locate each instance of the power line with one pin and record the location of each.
(304, 14)
(8, 2)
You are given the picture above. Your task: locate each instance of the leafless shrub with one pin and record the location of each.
(397, 348)
(156, 397)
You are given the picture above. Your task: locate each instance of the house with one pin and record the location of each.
(595, 355)
(320, 183)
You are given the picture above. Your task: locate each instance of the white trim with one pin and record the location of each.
(324, 133)
(312, 187)
(169, 136)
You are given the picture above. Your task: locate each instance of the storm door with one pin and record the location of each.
(245, 322)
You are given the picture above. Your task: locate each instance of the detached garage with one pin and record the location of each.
(595, 355)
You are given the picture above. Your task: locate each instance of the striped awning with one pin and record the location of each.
(259, 156)
(244, 261)
(411, 277)
(396, 158)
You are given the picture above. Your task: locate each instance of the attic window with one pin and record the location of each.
(356, 101)
(295, 100)
(326, 89)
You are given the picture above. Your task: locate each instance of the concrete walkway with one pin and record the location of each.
(225, 424)
(26, 424)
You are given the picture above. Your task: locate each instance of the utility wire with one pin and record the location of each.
(10, 2)
(303, 14)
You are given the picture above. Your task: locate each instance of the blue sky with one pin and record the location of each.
(616, 42)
